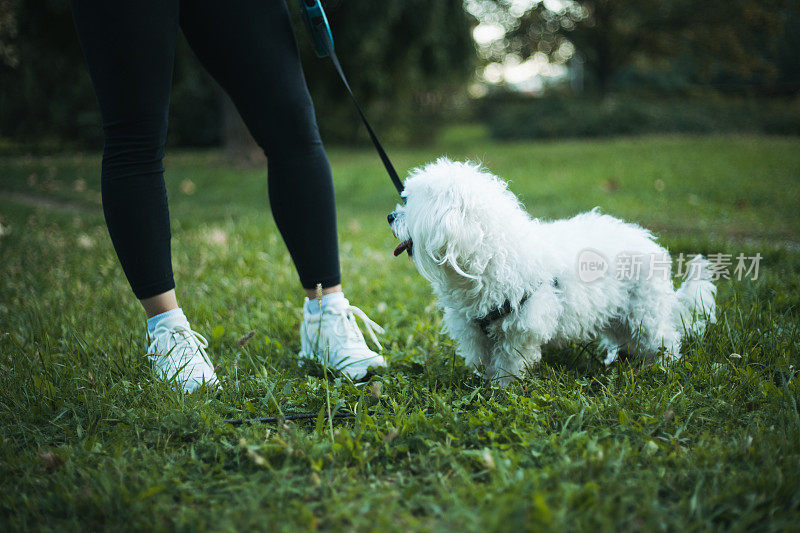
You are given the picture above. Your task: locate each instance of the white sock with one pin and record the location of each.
(312, 305)
(168, 319)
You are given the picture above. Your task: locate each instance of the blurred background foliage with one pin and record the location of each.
(600, 67)
(731, 46)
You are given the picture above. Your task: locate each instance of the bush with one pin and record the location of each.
(559, 116)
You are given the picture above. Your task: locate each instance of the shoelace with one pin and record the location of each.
(350, 312)
(188, 335)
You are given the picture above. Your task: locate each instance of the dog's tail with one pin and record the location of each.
(696, 296)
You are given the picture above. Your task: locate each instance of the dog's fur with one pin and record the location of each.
(472, 240)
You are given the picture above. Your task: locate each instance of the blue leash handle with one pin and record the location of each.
(317, 23)
(320, 30)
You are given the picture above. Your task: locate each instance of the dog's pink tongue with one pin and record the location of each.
(401, 248)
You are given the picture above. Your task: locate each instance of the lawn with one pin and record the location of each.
(89, 440)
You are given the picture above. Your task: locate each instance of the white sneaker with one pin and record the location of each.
(179, 353)
(332, 337)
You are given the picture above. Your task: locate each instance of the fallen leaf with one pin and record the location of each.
(85, 242)
(50, 461)
(488, 460)
(188, 187)
(246, 338)
(217, 236)
(389, 437)
(610, 185)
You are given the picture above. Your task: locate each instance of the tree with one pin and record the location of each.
(407, 63)
(735, 44)
(720, 36)
(46, 93)
(8, 34)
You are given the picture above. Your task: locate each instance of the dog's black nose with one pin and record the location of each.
(390, 217)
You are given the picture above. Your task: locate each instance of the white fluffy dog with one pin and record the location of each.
(510, 284)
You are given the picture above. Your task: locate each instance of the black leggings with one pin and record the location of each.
(249, 48)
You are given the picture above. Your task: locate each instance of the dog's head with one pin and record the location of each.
(452, 210)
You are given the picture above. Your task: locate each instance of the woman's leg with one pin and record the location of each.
(249, 48)
(129, 49)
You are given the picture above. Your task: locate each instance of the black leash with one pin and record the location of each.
(321, 34)
(303, 416)
(276, 419)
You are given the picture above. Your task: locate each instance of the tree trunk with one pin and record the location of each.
(603, 60)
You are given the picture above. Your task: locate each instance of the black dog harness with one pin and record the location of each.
(496, 314)
(504, 310)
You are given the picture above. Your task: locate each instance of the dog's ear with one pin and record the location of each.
(454, 238)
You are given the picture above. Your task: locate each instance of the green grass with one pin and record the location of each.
(89, 440)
